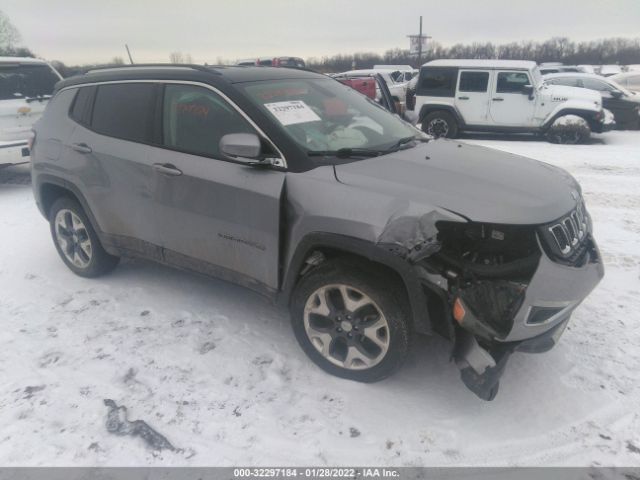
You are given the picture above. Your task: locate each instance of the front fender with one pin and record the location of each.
(582, 108)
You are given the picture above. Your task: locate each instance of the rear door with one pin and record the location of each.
(110, 156)
(214, 214)
(472, 96)
(509, 106)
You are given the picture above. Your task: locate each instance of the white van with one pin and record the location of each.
(26, 85)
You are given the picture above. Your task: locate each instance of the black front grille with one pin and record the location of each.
(565, 238)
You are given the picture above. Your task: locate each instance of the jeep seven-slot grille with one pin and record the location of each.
(565, 237)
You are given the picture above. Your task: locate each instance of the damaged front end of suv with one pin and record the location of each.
(494, 289)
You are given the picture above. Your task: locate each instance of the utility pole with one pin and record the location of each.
(419, 44)
(131, 59)
(419, 39)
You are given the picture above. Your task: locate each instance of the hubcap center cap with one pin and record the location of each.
(346, 326)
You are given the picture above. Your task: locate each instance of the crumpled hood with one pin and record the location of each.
(481, 184)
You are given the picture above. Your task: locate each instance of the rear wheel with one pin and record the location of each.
(76, 240)
(351, 322)
(440, 124)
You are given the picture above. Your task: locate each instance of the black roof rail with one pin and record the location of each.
(202, 68)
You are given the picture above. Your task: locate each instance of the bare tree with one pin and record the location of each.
(9, 34)
(179, 57)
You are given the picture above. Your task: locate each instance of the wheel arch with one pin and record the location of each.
(428, 108)
(588, 115)
(335, 245)
(48, 188)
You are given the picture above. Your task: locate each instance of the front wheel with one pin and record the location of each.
(569, 130)
(351, 321)
(440, 124)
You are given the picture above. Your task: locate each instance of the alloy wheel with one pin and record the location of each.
(346, 327)
(438, 127)
(73, 238)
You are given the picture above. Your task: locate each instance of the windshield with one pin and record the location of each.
(617, 86)
(20, 81)
(323, 115)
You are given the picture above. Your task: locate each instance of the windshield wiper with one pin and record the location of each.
(396, 146)
(365, 152)
(347, 153)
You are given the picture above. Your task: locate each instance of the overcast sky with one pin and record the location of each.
(88, 31)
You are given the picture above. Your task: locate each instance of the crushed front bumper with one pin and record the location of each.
(553, 293)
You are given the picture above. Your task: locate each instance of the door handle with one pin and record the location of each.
(498, 99)
(463, 98)
(81, 147)
(167, 169)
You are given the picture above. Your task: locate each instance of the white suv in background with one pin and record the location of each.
(503, 96)
(26, 85)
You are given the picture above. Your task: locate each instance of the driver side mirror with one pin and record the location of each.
(616, 93)
(528, 90)
(241, 145)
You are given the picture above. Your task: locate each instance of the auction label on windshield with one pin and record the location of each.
(292, 112)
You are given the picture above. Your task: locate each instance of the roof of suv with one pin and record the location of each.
(489, 64)
(226, 73)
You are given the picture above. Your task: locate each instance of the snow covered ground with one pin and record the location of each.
(217, 371)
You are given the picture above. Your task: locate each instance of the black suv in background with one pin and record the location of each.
(300, 188)
(623, 103)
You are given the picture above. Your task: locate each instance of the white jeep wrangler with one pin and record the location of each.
(503, 96)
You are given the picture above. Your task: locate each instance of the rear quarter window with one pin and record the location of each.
(437, 82)
(125, 111)
(81, 108)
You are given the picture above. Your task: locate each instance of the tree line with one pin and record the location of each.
(623, 51)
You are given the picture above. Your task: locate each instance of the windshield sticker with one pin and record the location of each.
(292, 112)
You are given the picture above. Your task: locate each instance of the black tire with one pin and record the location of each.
(388, 296)
(571, 134)
(440, 124)
(99, 262)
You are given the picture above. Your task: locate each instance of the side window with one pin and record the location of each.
(569, 82)
(594, 84)
(194, 119)
(125, 110)
(512, 82)
(438, 82)
(81, 107)
(473, 81)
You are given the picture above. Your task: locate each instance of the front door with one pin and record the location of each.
(214, 215)
(510, 105)
(472, 96)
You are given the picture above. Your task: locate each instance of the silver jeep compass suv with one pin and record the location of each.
(299, 187)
